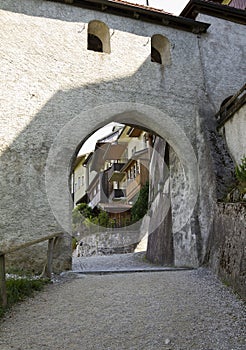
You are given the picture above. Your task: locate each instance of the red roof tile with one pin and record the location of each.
(141, 6)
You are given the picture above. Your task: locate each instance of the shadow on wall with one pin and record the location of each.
(24, 203)
(150, 97)
(25, 209)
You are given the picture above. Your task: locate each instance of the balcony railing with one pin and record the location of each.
(117, 194)
(114, 173)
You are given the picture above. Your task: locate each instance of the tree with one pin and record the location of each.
(85, 210)
(140, 208)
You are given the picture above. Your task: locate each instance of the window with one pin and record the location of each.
(98, 37)
(132, 174)
(138, 167)
(160, 50)
(135, 170)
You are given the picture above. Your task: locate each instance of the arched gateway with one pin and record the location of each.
(56, 92)
(69, 139)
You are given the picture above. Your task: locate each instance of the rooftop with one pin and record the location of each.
(233, 12)
(140, 13)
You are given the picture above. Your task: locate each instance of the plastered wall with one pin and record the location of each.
(55, 93)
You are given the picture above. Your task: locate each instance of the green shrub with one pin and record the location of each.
(241, 175)
(74, 243)
(140, 208)
(19, 289)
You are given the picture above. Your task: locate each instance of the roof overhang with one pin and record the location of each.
(107, 151)
(134, 132)
(79, 159)
(142, 155)
(194, 7)
(140, 13)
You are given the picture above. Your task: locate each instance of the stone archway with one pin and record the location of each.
(68, 141)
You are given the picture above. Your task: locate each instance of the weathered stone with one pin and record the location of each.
(226, 250)
(111, 241)
(55, 93)
(160, 241)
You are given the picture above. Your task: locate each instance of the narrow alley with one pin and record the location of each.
(173, 310)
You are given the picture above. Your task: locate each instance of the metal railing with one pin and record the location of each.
(47, 271)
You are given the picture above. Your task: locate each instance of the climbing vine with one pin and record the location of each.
(241, 175)
(238, 192)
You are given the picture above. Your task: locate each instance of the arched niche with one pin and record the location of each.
(160, 50)
(98, 38)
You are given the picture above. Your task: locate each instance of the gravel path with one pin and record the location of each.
(115, 262)
(179, 310)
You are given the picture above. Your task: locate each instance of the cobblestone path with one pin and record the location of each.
(170, 310)
(115, 263)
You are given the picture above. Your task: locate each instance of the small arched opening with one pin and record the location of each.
(160, 50)
(98, 37)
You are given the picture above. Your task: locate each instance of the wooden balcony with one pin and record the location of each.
(117, 194)
(115, 173)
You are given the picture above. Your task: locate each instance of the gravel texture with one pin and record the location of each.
(172, 310)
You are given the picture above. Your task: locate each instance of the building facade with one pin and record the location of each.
(120, 163)
(74, 67)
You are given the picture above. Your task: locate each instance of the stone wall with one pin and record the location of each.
(173, 239)
(160, 235)
(226, 253)
(55, 93)
(108, 242)
(222, 52)
(34, 258)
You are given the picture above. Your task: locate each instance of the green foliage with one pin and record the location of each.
(237, 192)
(85, 210)
(81, 213)
(102, 219)
(140, 208)
(84, 218)
(241, 175)
(74, 243)
(19, 289)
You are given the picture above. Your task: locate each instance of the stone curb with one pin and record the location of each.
(112, 271)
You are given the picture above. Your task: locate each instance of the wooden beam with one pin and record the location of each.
(50, 257)
(47, 270)
(3, 291)
(30, 243)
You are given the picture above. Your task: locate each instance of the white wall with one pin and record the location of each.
(235, 135)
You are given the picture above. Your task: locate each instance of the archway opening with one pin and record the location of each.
(110, 190)
(160, 50)
(182, 164)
